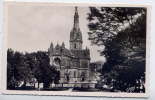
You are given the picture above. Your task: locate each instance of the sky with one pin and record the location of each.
(32, 27)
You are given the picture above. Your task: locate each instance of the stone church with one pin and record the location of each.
(72, 63)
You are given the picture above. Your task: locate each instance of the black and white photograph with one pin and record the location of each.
(76, 49)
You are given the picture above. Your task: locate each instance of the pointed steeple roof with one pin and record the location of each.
(57, 46)
(76, 18)
(75, 34)
(51, 46)
(63, 45)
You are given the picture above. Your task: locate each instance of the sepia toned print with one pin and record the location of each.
(77, 50)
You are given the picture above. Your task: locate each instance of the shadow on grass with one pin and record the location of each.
(23, 88)
(73, 89)
(55, 89)
(77, 89)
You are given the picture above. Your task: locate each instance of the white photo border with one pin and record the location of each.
(69, 93)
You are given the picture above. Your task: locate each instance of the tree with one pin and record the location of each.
(41, 68)
(106, 22)
(17, 69)
(24, 70)
(11, 80)
(123, 33)
(26, 67)
(57, 77)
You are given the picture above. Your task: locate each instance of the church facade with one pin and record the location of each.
(73, 63)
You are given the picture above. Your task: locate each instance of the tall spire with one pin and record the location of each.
(75, 34)
(76, 18)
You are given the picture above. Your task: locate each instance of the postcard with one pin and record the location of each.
(76, 49)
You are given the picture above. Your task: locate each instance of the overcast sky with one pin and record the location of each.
(33, 27)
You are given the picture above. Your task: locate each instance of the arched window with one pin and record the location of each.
(83, 75)
(74, 73)
(75, 46)
(67, 76)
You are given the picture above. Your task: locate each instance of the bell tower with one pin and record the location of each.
(75, 34)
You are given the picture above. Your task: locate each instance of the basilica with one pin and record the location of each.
(73, 63)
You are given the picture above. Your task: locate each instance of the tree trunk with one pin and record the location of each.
(34, 85)
(24, 83)
(38, 85)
